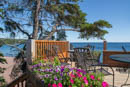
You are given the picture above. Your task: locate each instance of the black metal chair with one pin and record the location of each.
(86, 60)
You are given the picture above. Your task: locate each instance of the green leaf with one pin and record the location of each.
(56, 61)
(2, 79)
(3, 61)
(1, 29)
(1, 10)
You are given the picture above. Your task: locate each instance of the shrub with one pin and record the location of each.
(3, 61)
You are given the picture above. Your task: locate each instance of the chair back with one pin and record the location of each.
(84, 56)
(57, 50)
(79, 58)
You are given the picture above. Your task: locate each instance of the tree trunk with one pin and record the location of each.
(36, 20)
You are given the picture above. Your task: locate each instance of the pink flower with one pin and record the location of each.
(54, 85)
(92, 77)
(70, 86)
(86, 82)
(62, 67)
(84, 78)
(79, 75)
(82, 86)
(104, 84)
(72, 75)
(49, 85)
(72, 81)
(59, 84)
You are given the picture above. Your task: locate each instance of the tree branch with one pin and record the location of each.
(26, 33)
(70, 30)
(52, 32)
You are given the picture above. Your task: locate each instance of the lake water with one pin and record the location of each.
(10, 51)
(114, 46)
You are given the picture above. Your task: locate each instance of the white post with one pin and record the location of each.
(30, 50)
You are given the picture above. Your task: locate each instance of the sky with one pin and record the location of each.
(116, 12)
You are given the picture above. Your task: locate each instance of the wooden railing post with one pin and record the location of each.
(30, 50)
(104, 45)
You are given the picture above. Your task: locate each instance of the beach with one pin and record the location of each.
(9, 66)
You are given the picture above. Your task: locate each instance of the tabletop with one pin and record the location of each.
(121, 57)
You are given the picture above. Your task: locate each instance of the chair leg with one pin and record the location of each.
(113, 76)
(125, 84)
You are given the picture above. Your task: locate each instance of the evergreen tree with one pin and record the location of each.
(34, 17)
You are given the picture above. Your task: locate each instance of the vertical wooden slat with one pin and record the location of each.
(36, 50)
(68, 47)
(45, 48)
(22, 84)
(51, 48)
(18, 85)
(48, 47)
(64, 44)
(25, 83)
(40, 50)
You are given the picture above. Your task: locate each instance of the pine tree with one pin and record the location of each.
(35, 17)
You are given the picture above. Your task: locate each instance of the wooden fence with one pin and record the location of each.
(19, 82)
(110, 62)
(43, 46)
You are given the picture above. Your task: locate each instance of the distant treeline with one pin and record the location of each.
(11, 41)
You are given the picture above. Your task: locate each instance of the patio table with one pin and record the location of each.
(125, 58)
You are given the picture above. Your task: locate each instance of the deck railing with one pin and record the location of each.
(19, 82)
(110, 62)
(43, 46)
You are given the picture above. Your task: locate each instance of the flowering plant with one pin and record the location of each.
(65, 76)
